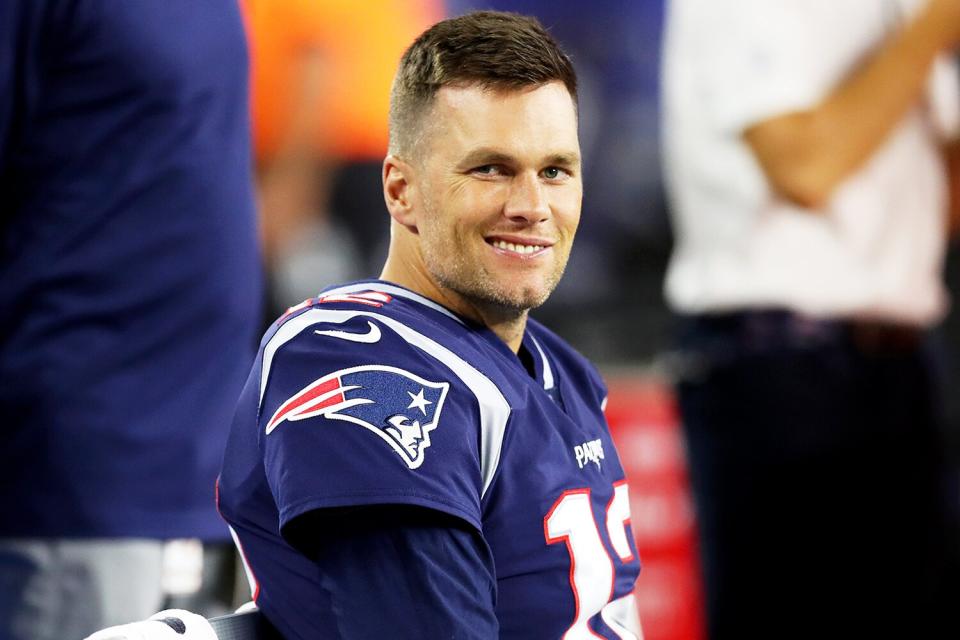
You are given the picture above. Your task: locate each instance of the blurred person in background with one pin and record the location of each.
(810, 155)
(129, 299)
(320, 74)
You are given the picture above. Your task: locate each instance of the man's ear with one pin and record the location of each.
(400, 191)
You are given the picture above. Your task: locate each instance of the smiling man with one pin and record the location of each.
(407, 459)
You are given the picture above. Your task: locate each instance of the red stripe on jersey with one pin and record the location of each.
(371, 298)
(306, 396)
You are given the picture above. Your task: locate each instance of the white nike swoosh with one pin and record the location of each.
(369, 337)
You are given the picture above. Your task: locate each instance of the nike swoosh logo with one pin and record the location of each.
(368, 338)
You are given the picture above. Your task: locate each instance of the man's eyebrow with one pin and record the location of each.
(564, 159)
(486, 155)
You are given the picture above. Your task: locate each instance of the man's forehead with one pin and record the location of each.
(469, 96)
(477, 120)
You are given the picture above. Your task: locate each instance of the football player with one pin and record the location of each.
(412, 456)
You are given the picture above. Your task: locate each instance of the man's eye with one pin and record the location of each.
(552, 173)
(486, 169)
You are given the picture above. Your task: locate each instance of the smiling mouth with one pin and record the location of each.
(522, 249)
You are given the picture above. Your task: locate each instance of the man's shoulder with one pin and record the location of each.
(391, 365)
(393, 338)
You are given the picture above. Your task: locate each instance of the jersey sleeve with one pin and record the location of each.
(433, 575)
(352, 413)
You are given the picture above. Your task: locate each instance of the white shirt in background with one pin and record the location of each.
(876, 250)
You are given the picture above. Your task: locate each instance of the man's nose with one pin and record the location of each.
(527, 199)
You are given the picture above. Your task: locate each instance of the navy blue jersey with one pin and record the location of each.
(129, 274)
(372, 395)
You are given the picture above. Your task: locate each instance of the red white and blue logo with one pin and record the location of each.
(396, 405)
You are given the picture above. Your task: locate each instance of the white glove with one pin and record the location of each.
(170, 624)
(247, 606)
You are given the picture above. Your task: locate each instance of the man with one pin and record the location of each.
(413, 457)
(804, 144)
(129, 297)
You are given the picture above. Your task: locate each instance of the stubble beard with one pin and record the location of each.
(455, 269)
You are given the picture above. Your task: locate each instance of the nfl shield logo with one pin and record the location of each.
(399, 407)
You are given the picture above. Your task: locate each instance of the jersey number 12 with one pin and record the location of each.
(571, 520)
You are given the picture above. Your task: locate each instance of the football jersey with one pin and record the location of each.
(371, 394)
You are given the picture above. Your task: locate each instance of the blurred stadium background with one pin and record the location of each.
(320, 77)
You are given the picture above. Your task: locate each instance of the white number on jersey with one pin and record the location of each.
(571, 520)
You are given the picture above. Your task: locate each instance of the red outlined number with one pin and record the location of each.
(618, 517)
(571, 520)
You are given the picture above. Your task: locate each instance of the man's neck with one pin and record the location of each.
(508, 327)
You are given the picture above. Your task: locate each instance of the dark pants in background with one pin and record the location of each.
(816, 464)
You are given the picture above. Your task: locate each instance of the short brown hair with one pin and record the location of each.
(492, 49)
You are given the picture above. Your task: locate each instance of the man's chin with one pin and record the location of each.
(517, 301)
(508, 299)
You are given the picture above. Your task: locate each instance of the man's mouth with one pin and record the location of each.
(522, 249)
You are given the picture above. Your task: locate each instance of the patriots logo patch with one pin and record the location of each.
(398, 406)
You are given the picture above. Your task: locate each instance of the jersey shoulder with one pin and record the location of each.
(334, 340)
(389, 363)
(348, 386)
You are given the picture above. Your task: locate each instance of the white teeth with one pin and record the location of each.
(525, 249)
